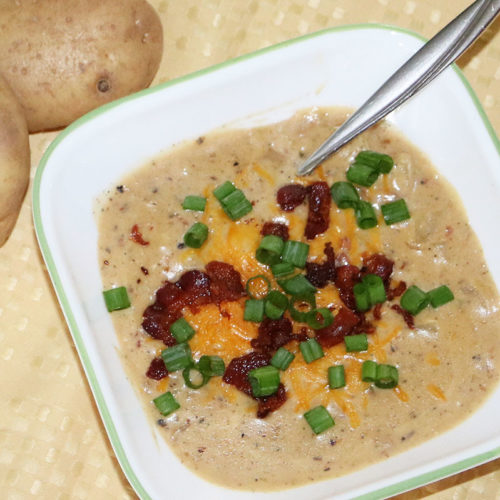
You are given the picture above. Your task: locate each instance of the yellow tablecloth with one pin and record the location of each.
(52, 442)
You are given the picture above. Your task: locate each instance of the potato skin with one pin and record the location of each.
(14, 159)
(63, 58)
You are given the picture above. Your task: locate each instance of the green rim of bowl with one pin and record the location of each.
(390, 490)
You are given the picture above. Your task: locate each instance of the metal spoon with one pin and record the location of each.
(418, 71)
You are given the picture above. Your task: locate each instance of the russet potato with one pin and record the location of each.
(14, 159)
(63, 58)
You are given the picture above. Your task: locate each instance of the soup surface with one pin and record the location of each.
(447, 362)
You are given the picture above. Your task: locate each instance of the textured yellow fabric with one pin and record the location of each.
(52, 442)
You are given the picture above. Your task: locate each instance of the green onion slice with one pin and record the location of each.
(344, 194)
(375, 288)
(369, 371)
(254, 310)
(116, 298)
(187, 374)
(269, 251)
(394, 212)
(361, 296)
(275, 305)
(319, 419)
(236, 204)
(196, 203)
(177, 357)
(356, 343)
(298, 286)
(282, 359)
(224, 190)
(382, 163)
(300, 315)
(196, 235)
(414, 300)
(365, 215)
(295, 252)
(361, 174)
(336, 376)
(166, 403)
(181, 330)
(212, 366)
(264, 381)
(387, 376)
(440, 296)
(315, 323)
(255, 280)
(282, 269)
(311, 350)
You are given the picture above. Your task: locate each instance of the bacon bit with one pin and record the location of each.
(276, 229)
(344, 324)
(225, 282)
(271, 403)
(291, 196)
(136, 236)
(377, 312)
(318, 217)
(144, 271)
(157, 369)
(321, 274)
(380, 265)
(273, 334)
(346, 278)
(237, 371)
(194, 288)
(409, 320)
(392, 293)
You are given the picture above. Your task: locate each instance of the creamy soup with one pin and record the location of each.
(447, 363)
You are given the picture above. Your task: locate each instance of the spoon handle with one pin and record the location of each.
(438, 53)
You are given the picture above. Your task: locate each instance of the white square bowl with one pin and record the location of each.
(339, 66)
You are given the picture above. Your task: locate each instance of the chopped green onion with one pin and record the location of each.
(344, 194)
(361, 174)
(166, 403)
(375, 287)
(387, 376)
(300, 315)
(264, 380)
(282, 269)
(295, 252)
(365, 215)
(116, 298)
(440, 296)
(177, 357)
(196, 235)
(298, 286)
(414, 300)
(212, 366)
(259, 277)
(336, 376)
(254, 310)
(196, 203)
(236, 204)
(275, 305)
(361, 296)
(187, 375)
(311, 350)
(181, 330)
(356, 343)
(224, 190)
(282, 359)
(380, 162)
(319, 419)
(395, 211)
(369, 371)
(269, 251)
(326, 318)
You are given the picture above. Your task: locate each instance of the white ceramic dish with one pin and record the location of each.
(335, 67)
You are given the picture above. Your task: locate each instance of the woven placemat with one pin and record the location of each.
(52, 442)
